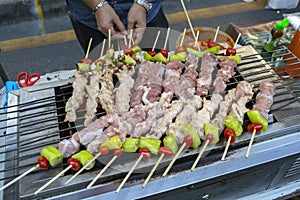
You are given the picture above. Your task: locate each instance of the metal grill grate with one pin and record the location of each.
(294, 169)
(36, 120)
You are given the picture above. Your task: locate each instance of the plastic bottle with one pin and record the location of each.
(276, 34)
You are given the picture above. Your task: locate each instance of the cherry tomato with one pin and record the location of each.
(211, 44)
(143, 150)
(209, 137)
(74, 163)
(256, 126)
(104, 150)
(165, 150)
(188, 140)
(164, 52)
(145, 153)
(43, 162)
(229, 133)
(128, 51)
(152, 53)
(179, 49)
(118, 152)
(86, 60)
(230, 52)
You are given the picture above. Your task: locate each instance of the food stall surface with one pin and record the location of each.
(272, 170)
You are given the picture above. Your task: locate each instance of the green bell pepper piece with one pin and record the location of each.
(198, 54)
(110, 53)
(84, 67)
(231, 122)
(160, 58)
(181, 56)
(148, 57)
(129, 60)
(52, 155)
(99, 66)
(136, 49)
(237, 58)
(256, 117)
(112, 143)
(170, 141)
(151, 144)
(84, 157)
(189, 129)
(131, 144)
(212, 129)
(213, 50)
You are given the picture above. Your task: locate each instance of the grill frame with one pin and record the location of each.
(285, 123)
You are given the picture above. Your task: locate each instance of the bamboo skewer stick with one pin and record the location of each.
(250, 143)
(196, 41)
(109, 38)
(153, 170)
(188, 18)
(88, 49)
(237, 40)
(167, 37)
(52, 180)
(182, 38)
(154, 44)
(129, 173)
(130, 38)
(102, 171)
(200, 155)
(216, 34)
(102, 49)
(83, 168)
(226, 148)
(19, 177)
(174, 159)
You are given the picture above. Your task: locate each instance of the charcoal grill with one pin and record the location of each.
(35, 119)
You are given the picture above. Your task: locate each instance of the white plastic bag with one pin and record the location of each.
(282, 4)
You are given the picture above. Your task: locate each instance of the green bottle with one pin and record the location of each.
(276, 34)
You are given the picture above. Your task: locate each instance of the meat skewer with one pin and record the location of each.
(243, 90)
(234, 120)
(79, 84)
(105, 94)
(261, 108)
(136, 123)
(208, 68)
(210, 106)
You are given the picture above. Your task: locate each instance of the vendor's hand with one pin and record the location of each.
(137, 20)
(107, 18)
